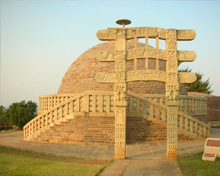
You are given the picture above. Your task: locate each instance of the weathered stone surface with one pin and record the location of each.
(186, 56)
(151, 32)
(80, 77)
(187, 77)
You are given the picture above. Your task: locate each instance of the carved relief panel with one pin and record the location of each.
(172, 92)
(120, 92)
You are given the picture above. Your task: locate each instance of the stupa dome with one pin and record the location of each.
(80, 76)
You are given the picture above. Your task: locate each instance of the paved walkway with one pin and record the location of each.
(142, 158)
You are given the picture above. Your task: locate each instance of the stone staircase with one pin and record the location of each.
(71, 120)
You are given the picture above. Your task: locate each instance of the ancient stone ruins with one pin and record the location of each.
(124, 91)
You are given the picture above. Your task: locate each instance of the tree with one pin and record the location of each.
(21, 113)
(3, 119)
(199, 85)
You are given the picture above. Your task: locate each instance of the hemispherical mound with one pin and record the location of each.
(80, 77)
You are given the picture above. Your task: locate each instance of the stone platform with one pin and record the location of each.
(137, 150)
(143, 158)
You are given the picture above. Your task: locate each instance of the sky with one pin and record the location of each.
(41, 39)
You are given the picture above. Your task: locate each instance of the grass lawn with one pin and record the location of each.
(22, 162)
(195, 166)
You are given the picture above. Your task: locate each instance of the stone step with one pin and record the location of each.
(209, 156)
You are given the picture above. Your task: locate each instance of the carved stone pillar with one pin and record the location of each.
(120, 91)
(172, 93)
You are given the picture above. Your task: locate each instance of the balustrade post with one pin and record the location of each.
(181, 122)
(196, 128)
(38, 123)
(93, 103)
(71, 107)
(108, 104)
(60, 110)
(29, 127)
(186, 105)
(32, 130)
(208, 132)
(34, 126)
(186, 124)
(157, 112)
(55, 101)
(200, 130)
(77, 105)
(196, 105)
(67, 109)
(46, 119)
(193, 105)
(101, 103)
(55, 114)
(191, 126)
(51, 117)
(42, 121)
(47, 103)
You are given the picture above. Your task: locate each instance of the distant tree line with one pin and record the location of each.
(18, 114)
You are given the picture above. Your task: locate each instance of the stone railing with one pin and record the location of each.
(187, 104)
(48, 101)
(151, 109)
(102, 102)
(84, 102)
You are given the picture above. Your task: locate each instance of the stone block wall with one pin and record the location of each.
(213, 105)
(140, 129)
(87, 130)
(101, 130)
(71, 131)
